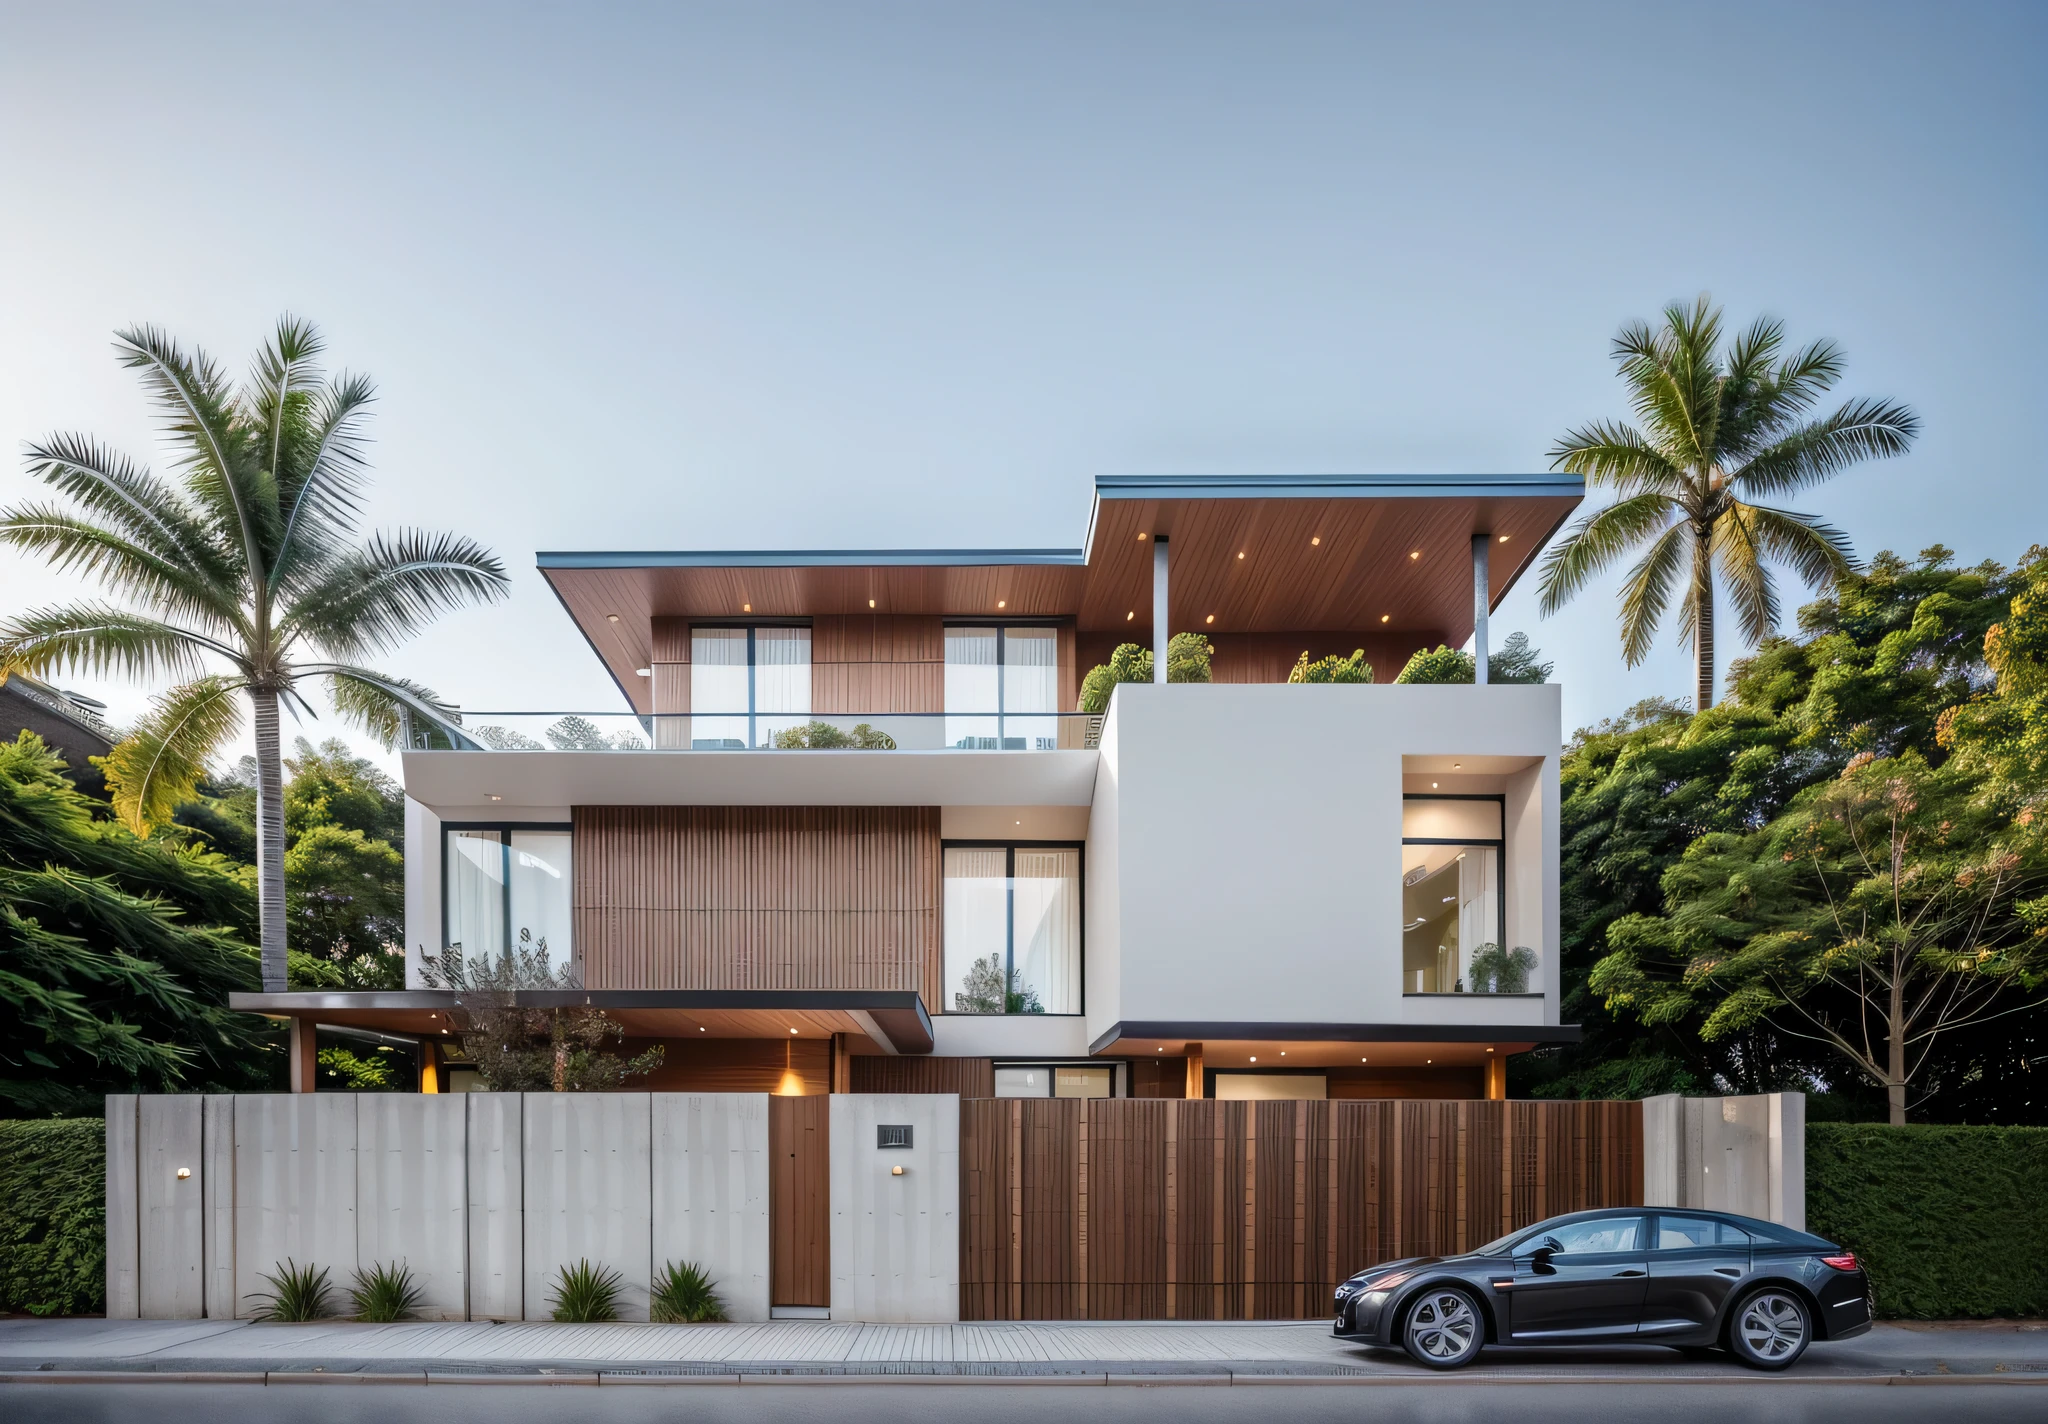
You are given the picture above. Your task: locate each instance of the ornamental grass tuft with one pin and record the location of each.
(297, 1293)
(385, 1293)
(585, 1294)
(684, 1294)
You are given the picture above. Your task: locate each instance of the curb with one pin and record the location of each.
(1098, 1381)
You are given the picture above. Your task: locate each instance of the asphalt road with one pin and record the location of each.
(1446, 1401)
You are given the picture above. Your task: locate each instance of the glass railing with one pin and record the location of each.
(777, 731)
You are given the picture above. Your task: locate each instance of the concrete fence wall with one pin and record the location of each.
(483, 1196)
(1745, 1155)
(896, 1211)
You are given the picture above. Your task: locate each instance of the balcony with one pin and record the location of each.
(781, 732)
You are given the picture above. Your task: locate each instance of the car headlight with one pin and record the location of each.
(1387, 1283)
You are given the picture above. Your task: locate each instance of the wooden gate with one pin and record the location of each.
(1122, 1209)
(800, 1201)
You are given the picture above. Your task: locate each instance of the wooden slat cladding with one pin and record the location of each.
(799, 1201)
(758, 897)
(1128, 1209)
(786, 1066)
(885, 1073)
(878, 663)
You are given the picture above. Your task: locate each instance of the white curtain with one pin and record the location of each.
(1478, 905)
(971, 675)
(718, 683)
(782, 681)
(474, 884)
(976, 928)
(541, 892)
(1031, 683)
(1048, 948)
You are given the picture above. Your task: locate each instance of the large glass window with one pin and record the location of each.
(1451, 908)
(1002, 688)
(747, 684)
(1054, 1080)
(507, 886)
(1013, 929)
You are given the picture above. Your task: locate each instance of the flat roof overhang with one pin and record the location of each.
(896, 1021)
(1322, 553)
(1327, 1045)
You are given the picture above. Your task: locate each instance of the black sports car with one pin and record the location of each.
(1695, 1280)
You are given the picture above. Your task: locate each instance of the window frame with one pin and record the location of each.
(1119, 1072)
(1002, 627)
(752, 626)
(1500, 850)
(504, 830)
(1080, 848)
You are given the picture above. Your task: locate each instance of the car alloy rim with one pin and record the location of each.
(1773, 1326)
(1442, 1326)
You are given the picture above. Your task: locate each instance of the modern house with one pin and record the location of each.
(853, 836)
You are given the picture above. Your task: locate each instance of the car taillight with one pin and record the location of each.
(1845, 1262)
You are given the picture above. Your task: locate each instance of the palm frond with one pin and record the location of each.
(322, 492)
(1819, 553)
(160, 763)
(1646, 593)
(1674, 378)
(109, 485)
(1860, 430)
(1740, 558)
(392, 587)
(221, 467)
(99, 638)
(380, 704)
(69, 543)
(1610, 453)
(1596, 541)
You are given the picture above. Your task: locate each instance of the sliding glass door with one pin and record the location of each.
(1013, 929)
(746, 685)
(1002, 687)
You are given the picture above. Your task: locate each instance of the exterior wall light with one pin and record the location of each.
(897, 1170)
(183, 1173)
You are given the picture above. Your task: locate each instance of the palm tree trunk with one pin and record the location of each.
(1703, 621)
(269, 842)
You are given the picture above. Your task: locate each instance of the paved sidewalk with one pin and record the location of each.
(789, 1349)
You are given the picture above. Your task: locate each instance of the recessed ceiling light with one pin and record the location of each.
(792, 1030)
(611, 617)
(1489, 1048)
(1210, 619)
(1415, 553)
(1364, 1060)
(1315, 539)
(1020, 823)
(1503, 538)
(1283, 1053)
(643, 672)
(1002, 603)
(1129, 616)
(1432, 786)
(700, 1028)
(746, 608)
(497, 798)
(1457, 765)
(1255, 1058)
(1141, 538)
(1386, 618)
(1240, 553)
(871, 603)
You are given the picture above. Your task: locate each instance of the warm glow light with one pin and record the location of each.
(700, 1028)
(1141, 538)
(1210, 619)
(871, 603)
(1503, 538)
(1240, 553)
(1432, 786)
(1129, 616)
(611, 617)
(1489, 1048)
(1315, 539)
(1002, 603)
(643, 672)
(497, 798)
(746, 608)
(792, 1030)
(1456, 765)
(1415, 553)
(1255, 1058)
(1386, 618)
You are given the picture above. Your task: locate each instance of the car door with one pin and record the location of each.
(1591, 1285)
(1694, 1262)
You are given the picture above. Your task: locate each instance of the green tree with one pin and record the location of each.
(1516, 662)
(987, 988)
(245, 566)
(331, 786)
(1718, 432)
(1354, 669)
(1187, 660)
(346, 896)
(117, 955)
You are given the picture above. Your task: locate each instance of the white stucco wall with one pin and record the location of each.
(1245, 855)
(711, 1192)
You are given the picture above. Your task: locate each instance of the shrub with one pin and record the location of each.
(297, 1293)
(1948, 1220)
(823, 736)
(386, 1293)
(1187, 660)
(53, 1216)
(1438, 665)
(1332, 669)
(684, 1294)
(1495, 970)
(584, 1294)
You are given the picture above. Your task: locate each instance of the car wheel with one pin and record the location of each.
(1444, 1329)
(1770, 1329)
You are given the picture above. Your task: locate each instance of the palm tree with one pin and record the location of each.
(1717, 432)
(246, 579)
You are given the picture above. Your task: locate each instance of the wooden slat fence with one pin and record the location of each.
(1128, 1209)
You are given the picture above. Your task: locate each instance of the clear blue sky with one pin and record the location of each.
(874, 274)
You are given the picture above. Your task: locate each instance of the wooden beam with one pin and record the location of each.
(305, 1062)
(1195, 1081)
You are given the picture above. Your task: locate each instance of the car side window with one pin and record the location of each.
(1684, 1233)
(1606, 1233)
(1735, 1236)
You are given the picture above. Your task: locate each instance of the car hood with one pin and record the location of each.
(1413, 1263)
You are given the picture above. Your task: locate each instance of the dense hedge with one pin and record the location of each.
(53, 1216)
(1949, 1220)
